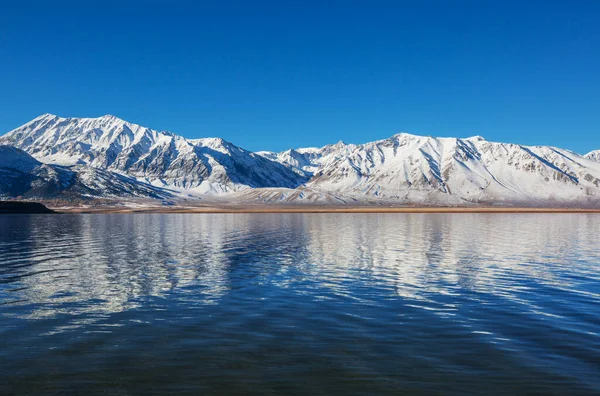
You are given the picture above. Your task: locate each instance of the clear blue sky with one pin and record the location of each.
(280, 74)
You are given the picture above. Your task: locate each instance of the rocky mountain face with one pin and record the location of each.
(21, 175)
(109, 156)
(307, 161)
(163, 159)
(418, 169)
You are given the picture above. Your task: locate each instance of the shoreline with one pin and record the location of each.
(314, 209)
(43, 206)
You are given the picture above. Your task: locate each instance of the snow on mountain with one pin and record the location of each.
(419, 169)
(163, 159)
(109, 156)
(18, 160)
(306, 161)
(287, 196)
(22, 175)
(594, 155)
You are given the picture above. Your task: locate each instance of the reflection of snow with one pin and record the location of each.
(102, 264)
(91, 263)
(429, 252)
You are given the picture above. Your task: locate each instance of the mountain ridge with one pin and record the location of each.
(23, 176)
(161, 158)
(403, 169)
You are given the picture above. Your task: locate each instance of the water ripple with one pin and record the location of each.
(300, 303)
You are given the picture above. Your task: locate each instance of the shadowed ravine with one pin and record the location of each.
(300, 304)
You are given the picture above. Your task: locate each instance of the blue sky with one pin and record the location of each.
(278, 74)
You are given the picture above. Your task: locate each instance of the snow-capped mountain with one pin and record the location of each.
(21, 175)
(418, 169)
(594, 155)
(306, 161)
(107, 155)
(163, 159)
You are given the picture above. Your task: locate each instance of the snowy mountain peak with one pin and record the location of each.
(213, 142)
(45, 116)
(406, 135)
(593, 155)
(88, 154)
(423, 169)
(476, 138)
(209, 165)
(49, 116)
(111, 117)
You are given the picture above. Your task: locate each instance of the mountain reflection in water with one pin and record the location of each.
(300, 303)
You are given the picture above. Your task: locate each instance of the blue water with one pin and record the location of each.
(300, 304)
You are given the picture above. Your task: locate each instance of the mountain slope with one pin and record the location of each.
(306, 161)
(163, 159)
(420, 169)
(107, 156)
(23, 176)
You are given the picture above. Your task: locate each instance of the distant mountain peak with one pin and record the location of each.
(408, 135)
(43, 117)
(593, 155)
(47, 115)
(208, 165)
(476, 138)
(404, 168)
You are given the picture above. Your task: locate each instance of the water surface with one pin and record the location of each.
(300, 304)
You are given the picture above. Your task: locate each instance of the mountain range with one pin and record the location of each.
(106, 157)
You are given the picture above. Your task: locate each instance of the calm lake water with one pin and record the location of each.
(300, 304)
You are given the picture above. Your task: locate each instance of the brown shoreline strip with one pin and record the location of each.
(271, 209)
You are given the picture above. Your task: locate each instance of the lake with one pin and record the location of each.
(300, 304)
